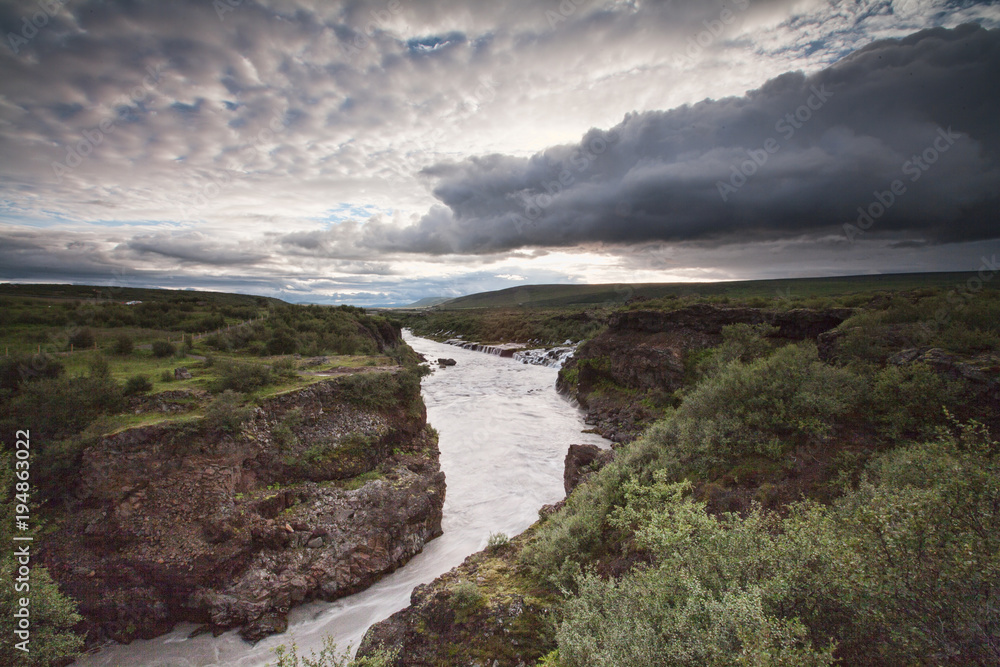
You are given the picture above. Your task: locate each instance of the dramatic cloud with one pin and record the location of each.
(904, 130)
(376, 150)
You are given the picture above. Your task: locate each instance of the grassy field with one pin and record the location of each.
(76, 359)
(572, 296)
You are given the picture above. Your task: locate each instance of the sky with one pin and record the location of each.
(379, 152)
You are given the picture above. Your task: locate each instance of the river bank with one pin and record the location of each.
(489, 412)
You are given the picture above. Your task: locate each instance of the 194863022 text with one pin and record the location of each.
(22, 539)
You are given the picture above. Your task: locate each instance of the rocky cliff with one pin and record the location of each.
(314, 496)
(623, 374)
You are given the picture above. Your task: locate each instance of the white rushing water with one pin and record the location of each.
(504, 432)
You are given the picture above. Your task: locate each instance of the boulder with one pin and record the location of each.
(182, 373)
(447, 362)
(582, 461)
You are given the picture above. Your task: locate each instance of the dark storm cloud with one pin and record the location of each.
(192, 247)
(824, 145)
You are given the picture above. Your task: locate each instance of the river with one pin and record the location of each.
(504, 432)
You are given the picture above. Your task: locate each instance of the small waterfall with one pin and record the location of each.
(553, 357)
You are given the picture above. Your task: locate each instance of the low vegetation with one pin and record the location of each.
(790, 510)
(328, 656)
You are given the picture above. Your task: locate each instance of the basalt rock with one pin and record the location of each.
(164, 524)
(583, 461)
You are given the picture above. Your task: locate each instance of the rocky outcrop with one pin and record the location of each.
(482, 612)
(981, 373)
(583, 461)
(477, 614)
(315, 496)
(644, 351)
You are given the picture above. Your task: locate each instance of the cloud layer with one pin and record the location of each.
(797, 156)
(371, 151)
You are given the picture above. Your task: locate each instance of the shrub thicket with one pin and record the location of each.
(902, 570)
(163, 348)
(227, 413)
(242, 376)
(137, 384)
(123, 345)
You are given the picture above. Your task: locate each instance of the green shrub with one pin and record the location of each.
(163, 348)
(330, 656)
(138, 384)
(282, 342)
(497, 541)
(19, 369)
(62, 406)
(123, 345)
(227, 412)
(740, 342)
(765, 407)
(166, 376)
(82, 339)
(242, 377)
(902, 570)
(911, 401)
(284, 367)
(381, 390)
(466, 600)
(219, 342)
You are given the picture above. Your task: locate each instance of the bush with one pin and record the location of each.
(765, 407)
(763, 589)
(282, 342)
(82, 339)
(466, 600)
(163, 348)
(166, 376)
(911, 401)
(330, 656)
(740, 342)
(227, 413)
(497, 541)
(123, 345)
(284, 367)
(138, 384)
(377, 390)
(19, 369)
(63, 405)
(242, 377)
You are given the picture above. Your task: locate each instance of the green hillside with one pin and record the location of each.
(558, 296)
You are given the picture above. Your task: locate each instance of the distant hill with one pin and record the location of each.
(557, 296)
(124, 294)
(429, 301)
